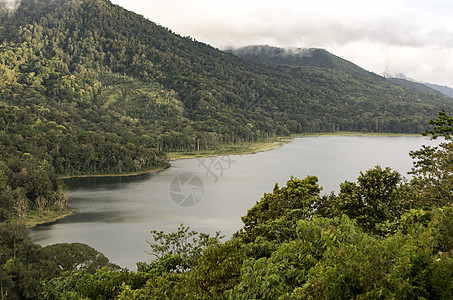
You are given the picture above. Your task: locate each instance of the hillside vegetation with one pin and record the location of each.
(87, 87)
(380, 237)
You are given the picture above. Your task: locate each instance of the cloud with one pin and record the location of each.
(10, 3)
(426, 63)
(415, 37)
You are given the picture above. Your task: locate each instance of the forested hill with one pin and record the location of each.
(320, 58)
(441, 88)
(415, 86)
(310, 57)
(88, 87)
(103, 57)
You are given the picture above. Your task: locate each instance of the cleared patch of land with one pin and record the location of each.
(266, 145)
(236, 149)
(34, 219)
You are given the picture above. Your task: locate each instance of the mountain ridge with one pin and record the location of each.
(415, 86)
(91, 77)
(446, 90)
(404, 81)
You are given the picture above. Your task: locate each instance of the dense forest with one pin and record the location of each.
(87, 87)
(380, 237)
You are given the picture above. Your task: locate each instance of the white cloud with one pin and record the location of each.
(10, 3)
(411, 37)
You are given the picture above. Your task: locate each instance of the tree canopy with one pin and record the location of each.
(87, 87)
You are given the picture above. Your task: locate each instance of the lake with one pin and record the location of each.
(115, 214)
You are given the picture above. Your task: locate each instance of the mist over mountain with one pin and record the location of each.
(10, 4)
(270, 51)
(304, 57)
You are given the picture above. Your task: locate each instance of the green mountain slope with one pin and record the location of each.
(441, 88)
(217, 92)
(300, 57)
(415, 86)
(352, 98)
(88, 87)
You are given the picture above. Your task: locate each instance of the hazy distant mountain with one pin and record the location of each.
(441, 88)
(415, 86)
(425, 87)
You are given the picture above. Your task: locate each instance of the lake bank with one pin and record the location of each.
(148, 171)
(237, 149)
(115, 215)
(49, 217)
(353, 133)
(269, 144)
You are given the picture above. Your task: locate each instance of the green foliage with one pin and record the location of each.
(24, 265)
(299, 196)
(104, 284)
(335, 259)
(378, 196)
(75, 256)
(167, 286)
(218, 269)
(433, 181)
(443, 126)
(177, 251)
(87, 87)
(28, 184)
(322, 258)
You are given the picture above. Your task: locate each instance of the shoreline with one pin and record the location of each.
(115, 174)
(238, 149)
(244, 148)
(48, 218)
(353, 133)
(271, 144)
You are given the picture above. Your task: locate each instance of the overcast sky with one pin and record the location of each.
(413, 37)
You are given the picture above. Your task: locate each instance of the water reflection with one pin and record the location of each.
(105, 182)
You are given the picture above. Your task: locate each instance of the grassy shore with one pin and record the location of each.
(266, 145)
(34, 219)
(239, 149)
(236, 149)
(352, 133)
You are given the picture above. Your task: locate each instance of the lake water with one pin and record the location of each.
(115, 214)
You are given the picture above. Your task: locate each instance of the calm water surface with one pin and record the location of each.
(115, 215)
